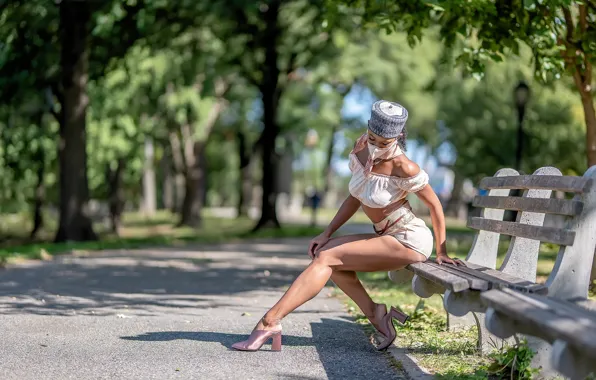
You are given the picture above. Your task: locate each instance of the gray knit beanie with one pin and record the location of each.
(387, 119)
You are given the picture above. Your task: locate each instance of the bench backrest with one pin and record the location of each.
(577, 239)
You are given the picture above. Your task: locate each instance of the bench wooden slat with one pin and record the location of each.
(547, 182)
(439, 276)
(474, 282)
(545, 234)
(554, 319)
(477, 277)
(501, 280)
(541, 205)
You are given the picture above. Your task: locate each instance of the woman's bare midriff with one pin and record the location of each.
(377, 215)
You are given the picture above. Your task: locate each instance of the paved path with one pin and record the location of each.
(173, 314)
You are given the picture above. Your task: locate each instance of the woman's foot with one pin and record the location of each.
(263, 331)
(268, 324)
(376, 319)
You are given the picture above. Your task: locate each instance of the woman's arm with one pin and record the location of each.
(430, 199)
(345, 212)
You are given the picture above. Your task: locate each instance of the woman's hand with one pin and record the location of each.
(443, 258)
(318, 242)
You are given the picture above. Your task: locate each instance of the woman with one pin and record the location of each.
(382, 177)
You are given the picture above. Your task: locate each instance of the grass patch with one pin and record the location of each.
(138, 232)
(448, 355)
(425, 334)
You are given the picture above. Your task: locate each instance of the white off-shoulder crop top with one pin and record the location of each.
(378, 190)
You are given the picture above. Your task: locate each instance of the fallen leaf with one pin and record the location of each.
(246, 314)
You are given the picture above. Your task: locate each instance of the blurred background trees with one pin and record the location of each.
(253, 106)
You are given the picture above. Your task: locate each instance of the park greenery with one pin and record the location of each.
(103, 101)
(112, 107)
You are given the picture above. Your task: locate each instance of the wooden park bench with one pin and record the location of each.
(480, 285)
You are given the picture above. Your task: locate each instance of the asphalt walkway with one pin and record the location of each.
(173, 313)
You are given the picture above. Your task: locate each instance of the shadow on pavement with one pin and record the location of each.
(143, 280)
(337, 343)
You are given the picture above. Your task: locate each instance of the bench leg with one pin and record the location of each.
(542, 357)
(401, 276)
(455, 323)
(424, 288)
(568, 362)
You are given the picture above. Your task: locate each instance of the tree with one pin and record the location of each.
(62, 46)
(269, 42)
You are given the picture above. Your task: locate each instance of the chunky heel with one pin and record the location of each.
(388, 323)
(401, 317)
(276, 343)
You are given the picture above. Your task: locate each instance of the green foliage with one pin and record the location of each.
(28, 144)
(512, 363)
(481, 121)
(489, 30)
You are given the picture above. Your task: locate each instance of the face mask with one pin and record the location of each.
(375, 152)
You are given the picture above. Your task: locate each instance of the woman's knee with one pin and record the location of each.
(327, 256)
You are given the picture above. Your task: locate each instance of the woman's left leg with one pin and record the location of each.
(369, 253)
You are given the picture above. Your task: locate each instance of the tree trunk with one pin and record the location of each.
(455, 202)
(74, 187)
(270, 94)
(39, 197)
(178, 159)
(149, 193)
(590, 117)
(328, 170)
(116, 196)
(194, 189)
(168, 183)
(245, 187)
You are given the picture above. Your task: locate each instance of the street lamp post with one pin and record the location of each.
(521, 96)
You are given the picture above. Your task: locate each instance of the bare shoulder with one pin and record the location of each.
(404, 167)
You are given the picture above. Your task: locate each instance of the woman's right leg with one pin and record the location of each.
(350, 284)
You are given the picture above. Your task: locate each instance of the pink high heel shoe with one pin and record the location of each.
(388, 324)
(257, 339)
(380, 310)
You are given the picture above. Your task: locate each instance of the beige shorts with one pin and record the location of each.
(408, 230)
